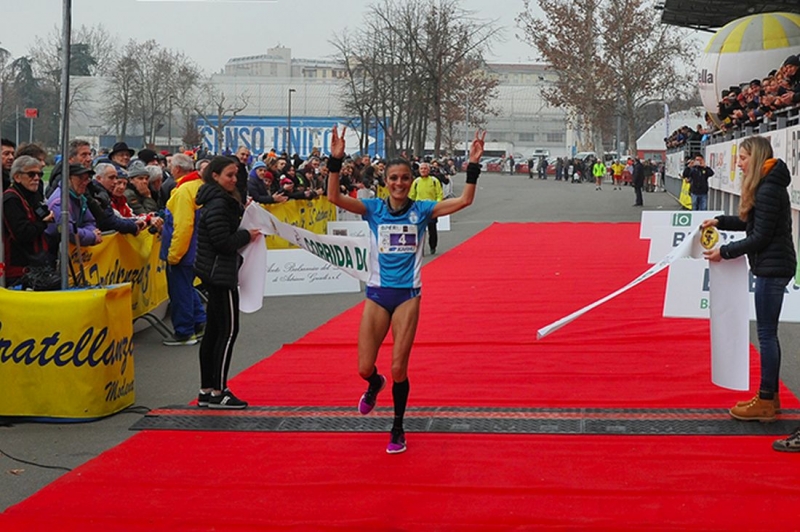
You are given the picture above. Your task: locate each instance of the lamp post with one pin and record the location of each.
(289, 128)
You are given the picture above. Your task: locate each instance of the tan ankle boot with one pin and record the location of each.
(776, 401)
(756, 409)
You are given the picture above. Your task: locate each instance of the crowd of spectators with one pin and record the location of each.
(127, 192)
(746, 105)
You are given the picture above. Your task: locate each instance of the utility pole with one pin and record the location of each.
(289, 128)
(466, 132)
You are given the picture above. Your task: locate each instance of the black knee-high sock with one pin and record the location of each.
(400, 396)
(374, 380)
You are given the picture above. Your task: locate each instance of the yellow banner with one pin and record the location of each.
(127, 259)
(686, 198)
(311, 215)
(66, 354)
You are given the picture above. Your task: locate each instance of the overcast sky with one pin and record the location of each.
(213, 31)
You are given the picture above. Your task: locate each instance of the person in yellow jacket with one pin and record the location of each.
(598, 171)
(178, 248)
(427, 187)
(617, 169)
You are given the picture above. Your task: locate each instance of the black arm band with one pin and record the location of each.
(473, 172)
(334, 164)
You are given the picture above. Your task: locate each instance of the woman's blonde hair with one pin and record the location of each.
(760, 151)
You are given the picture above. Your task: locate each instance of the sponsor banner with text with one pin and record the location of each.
(66, 354)
(311, 215)
(127, 259)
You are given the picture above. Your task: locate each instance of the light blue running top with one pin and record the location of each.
(396, 243)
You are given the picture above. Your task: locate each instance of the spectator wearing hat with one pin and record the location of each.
(288, 186)
(148, 157)
(82, 222)
(262, 186)
(139, 196)
(120, 157)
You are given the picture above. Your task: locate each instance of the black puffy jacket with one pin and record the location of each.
(219, 237)
(769, 246)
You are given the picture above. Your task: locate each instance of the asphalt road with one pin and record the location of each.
(168, 375)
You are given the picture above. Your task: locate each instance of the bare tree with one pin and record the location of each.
(469, 78)
(404, 61)
(120, 104)
(646, 54)
(569, 39)
(603, 73)
(218, 111)
(5, 84)
(93, 52)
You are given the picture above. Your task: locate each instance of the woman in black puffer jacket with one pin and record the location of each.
(217, 265)
(765, 216)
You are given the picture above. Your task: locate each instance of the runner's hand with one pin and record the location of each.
(476, 150)
(337, 143)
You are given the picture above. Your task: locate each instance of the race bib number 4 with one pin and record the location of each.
(397, 238)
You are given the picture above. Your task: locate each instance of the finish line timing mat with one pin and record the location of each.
(636, 421)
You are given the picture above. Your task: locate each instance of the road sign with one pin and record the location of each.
(31, 113)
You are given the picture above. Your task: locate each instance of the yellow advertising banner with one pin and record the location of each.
(127, 259)
(67, 354)
(686, 198)
(311, 215)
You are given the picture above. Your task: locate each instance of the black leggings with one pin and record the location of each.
(222, 327)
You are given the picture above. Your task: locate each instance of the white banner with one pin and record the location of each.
(292, 272)
(349, 254)
(688, 296)
(730, 335)
(683, 220)
(683, 250)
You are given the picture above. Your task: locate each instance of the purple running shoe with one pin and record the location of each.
(397, 442)
(367, 401)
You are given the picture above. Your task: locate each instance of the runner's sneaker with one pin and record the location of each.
(203, 399)
(367, 401)
(790, 444)
(226, 401)
(397, 442)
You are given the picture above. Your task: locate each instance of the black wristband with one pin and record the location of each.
(473, 172)
(334, 164)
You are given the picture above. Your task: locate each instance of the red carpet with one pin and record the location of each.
(482, 305)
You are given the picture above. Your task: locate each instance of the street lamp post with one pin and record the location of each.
(289, 128)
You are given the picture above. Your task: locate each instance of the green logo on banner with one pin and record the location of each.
(681, 219)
